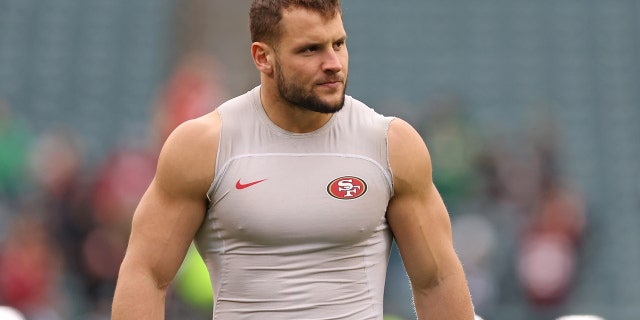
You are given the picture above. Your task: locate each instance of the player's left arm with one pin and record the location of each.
(422, 230)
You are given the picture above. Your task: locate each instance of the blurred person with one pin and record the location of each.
(454, 145)
(61, 191)
(191, 90)
(15, 140)
(56, 161)
(475, 241)
(548, 254)
(293, 193)
(501, 203)
(120, 181)
(30, 268)
(549, 246)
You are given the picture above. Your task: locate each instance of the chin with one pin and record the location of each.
(335, 105)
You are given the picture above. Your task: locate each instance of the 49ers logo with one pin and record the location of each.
(347, 188)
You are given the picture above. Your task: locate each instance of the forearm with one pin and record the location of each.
(449, 299)
(137, 296)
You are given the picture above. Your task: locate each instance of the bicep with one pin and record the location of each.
(422, 231)
(417, 215)
(173, 207)
(162, 229)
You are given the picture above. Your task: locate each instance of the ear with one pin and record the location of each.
(262, 57)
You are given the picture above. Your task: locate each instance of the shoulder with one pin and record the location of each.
(408, 155)
(240, 104)
(357, 106)
(197, 130)
(188, 155)
(365, 116)
(402, 133)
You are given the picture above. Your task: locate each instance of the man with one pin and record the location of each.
(293, 192)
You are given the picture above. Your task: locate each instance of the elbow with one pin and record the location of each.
(436, 277)
(142, 275)
(427, 282)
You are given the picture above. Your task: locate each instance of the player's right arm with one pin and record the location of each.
(166, 219)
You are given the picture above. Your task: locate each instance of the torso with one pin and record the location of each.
(296, 226)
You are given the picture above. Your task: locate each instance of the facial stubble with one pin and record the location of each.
(297, 96)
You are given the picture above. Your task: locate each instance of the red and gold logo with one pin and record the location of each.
(347, 188)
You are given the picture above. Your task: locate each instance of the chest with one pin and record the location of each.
(279, 199)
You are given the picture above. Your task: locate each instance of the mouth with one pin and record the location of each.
(332, 83)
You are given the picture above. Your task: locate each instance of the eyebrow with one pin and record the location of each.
(309, 44)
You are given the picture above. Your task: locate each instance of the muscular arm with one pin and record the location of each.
(166, 220)
(422, 230)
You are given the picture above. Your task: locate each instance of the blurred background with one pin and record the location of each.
(530, 110)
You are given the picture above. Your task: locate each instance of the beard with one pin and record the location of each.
(298, 96)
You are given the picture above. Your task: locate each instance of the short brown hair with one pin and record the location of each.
(265, 15)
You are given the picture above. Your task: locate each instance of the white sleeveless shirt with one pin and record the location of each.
(296, 225)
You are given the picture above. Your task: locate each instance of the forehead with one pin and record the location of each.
(301, 25)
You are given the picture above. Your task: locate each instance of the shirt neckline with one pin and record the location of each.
(256, 104)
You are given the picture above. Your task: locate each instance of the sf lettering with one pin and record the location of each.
(348, 188)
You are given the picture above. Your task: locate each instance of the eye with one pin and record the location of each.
(339, 44)
(310, 49)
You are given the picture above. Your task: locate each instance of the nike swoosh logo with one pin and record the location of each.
(241, 186)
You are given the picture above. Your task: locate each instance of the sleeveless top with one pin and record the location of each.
(296, 225)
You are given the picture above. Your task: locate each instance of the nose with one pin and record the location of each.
(332, 62)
